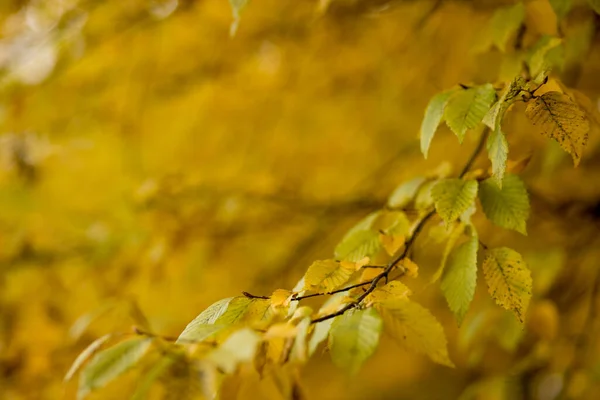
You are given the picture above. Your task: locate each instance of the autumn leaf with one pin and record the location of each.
(85, 355)
(239, 347)
(460, 278)
(508, 206)
(394, 290)
(414, 328)
(466, 109)
(453, 197)
(111, 363)
(327, 275)
(434, 115)
(508, 280)
(561, 119)
(505, 23)
(405, 193)
(354, 337)
(497, 147)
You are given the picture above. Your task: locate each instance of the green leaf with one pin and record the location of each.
(196, 332)
(497, 147)
(543, 55)
(505, 22)
(358, 245)
(561, 7)
(493, 118)
(111, 363)
(213, 312)
(433, 117)
(466, 109)
(405, 193)
(452, 197)
(239, 348)
(414, 328)
(460, 278)
(595, 4)
(319, 334)
(561, 119)
(507, 207)
(242, 308)
(508, 280)
(455, 234)
(85, 355)
(354, 337)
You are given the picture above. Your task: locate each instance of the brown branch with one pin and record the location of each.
(375, 281)
(333, 292)
(251, 296)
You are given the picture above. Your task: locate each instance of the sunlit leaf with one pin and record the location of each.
(394, 290)
(455, 234)
(85, 355)
(434, 114)
(460, 278)
(354, 337)
(299, 352)
(453, 197)
(508, 206)
(326, 275)
(505, 22)
(239, 348)
(320, 333)
(497, 147)
(358, 245)
(413, 327)
(111, 363)
(543, 55)
(405, 193)
(508, 280)
(466, 109)
(195, 332)
(561, 119)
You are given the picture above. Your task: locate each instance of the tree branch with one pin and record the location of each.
(408, 245)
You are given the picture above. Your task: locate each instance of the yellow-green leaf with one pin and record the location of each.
(460, 278)
(493, 118)
(145, 383)
(497, 147)
(320, 333)
(452, 197)
(508, 280)
(236, 8)
(455, 234)
(85, 355)
(326, 275)
(395, 290)
(354, 337)
(195, 332)
(433, 117)
(561, 119)
(242, 308)
(466, 109)
(413, 327)
(111, 363)
(545, 54)
(508, 206)
(239, 348)
(505, 22)
(405, 193)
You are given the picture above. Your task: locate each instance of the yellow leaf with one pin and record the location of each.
(508, 280)
(394, 290)
(391, 243)
(282, 330)
(280, 298)
(561, 119)
(327, 275)
(412, 269)
(413, 327)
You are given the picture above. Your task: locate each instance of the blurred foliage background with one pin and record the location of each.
(151, 164)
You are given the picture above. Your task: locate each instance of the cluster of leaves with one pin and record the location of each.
(236, 339)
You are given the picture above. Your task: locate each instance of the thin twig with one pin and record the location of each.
(408, 245)
(333, 292)
(251, 296)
